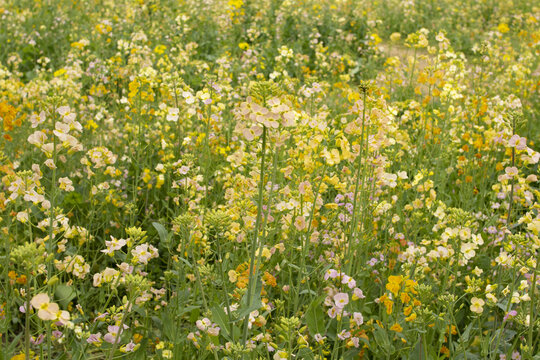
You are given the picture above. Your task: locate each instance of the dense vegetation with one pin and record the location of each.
(269, 179)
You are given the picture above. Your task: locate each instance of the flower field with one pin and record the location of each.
(269, 179)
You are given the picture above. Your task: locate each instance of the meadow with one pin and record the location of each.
(269, 179)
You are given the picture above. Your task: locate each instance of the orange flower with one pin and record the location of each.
(411, 318)
(407, 311)
(405, 298)
(269, 279)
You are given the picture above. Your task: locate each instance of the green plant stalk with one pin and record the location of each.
(532, 312)
(352, 227)
(413, 67)
(198, 277)
(27, 319)
(50, 243)
(120, 327)
(508, 306)
(225, 293)
(335, 350)
(207, 153)
(27, 305)
(256, 235)
(5, 268)
(306, 241)
(113, 286)
(265, 219)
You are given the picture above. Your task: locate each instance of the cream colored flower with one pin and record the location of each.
(46, 309)
(477, 305)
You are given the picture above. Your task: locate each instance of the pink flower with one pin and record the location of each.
(349, 281)
(332, 312)
(330, 274)
(341, 299)
(511, 171)
(113, 336)
(520, 143)
(358, 318)
(358, 294)
(94, 338)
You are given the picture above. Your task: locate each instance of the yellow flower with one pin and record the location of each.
(503, 28)
(396, 327)
(395, 37)
(394, 283)
(387, 303)
(411, 318)
(393, 287)
(160, 49)
(410, 286)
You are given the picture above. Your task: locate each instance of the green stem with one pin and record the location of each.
(254, 243)
(359, 171)
(532, 309)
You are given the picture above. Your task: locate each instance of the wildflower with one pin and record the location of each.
(511, 171)
(396, 327)
(112, 335)
(281, 355)
(143, 253)
(129, 347)
(357, 294)
(341, 300)
(46, 309)
(113, 245)
(520, 143)
(477, 305)
(349, 281)
(300, 223)
(94, 339)
(319, 338)
(172, 114)
(330, 274)
(358, 318)
(394, 283)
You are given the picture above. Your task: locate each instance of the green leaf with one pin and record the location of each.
(381, 338)
(465, 336)
(351, 354)
(162, 232)
(64, 294)
(315, 317)
(220, 318)
(256, 302)
(416, 352)
(305, 353)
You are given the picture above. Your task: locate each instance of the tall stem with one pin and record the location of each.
(254, 243)
(352, 228)
(532, 311)
(50, 243)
